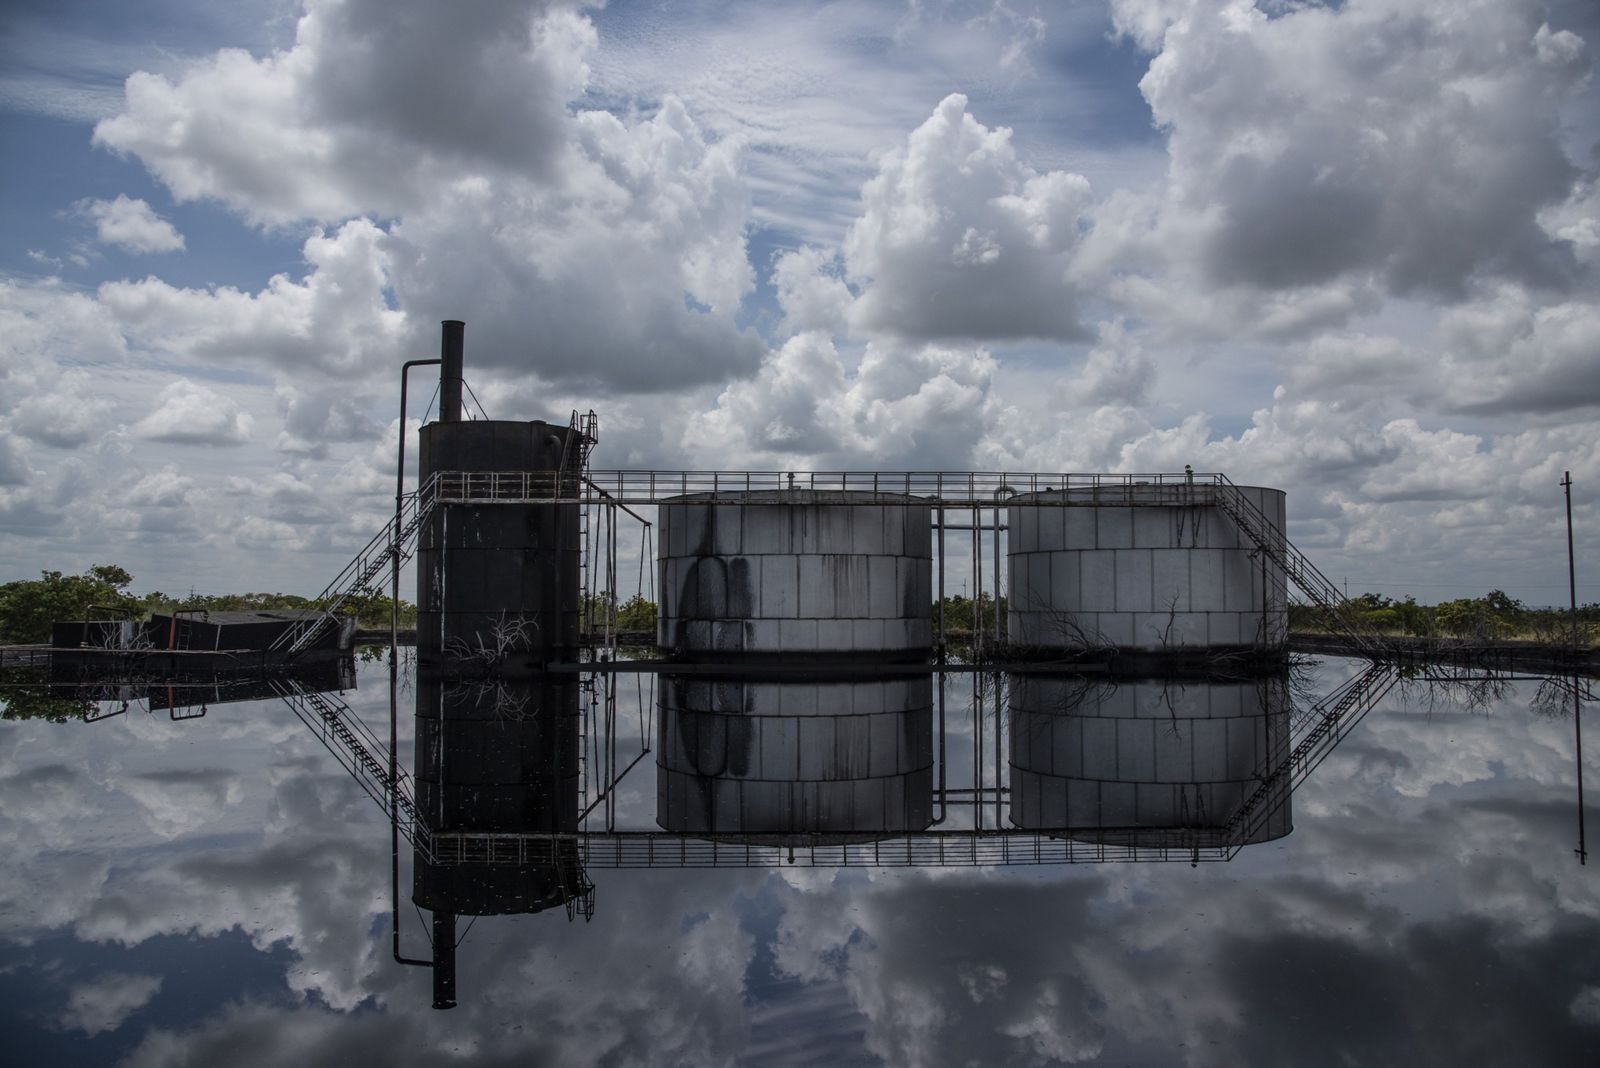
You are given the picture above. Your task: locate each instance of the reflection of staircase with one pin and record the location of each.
(1330, 720)
(355, 747)
(1313, 584)
(397, 538)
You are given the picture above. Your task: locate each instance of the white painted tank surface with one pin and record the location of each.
(1142, 567)
(768, 760)
(796, 572)
(1145, 762)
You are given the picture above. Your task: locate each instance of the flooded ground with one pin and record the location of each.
(216, 890)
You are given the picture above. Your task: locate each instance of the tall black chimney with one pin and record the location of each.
(452, 354)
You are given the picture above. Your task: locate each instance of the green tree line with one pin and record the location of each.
(29, 606)
(1494, 616)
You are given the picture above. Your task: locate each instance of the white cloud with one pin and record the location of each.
(958, 238)
(344, 122)
(1318, 148)
(104, 1004)
(192, 414)
(131, 224)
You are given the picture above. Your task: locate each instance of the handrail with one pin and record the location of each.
(364, 567)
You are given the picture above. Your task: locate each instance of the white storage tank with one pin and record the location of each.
(772, 760)
(796, 572)
(1149, 567)
(1147, 762)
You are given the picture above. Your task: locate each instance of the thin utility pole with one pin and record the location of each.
(1577, 696)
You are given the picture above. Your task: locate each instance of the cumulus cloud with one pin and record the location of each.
(192, 414)
(105, 1003)
(132, 224)
(1315, 148)
(958, 238)
(340, 123)
(899, 406)
(336, 319)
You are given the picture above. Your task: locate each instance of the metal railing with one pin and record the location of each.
(357, 576)
(1316, 587)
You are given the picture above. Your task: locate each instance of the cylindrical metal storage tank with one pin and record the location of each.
(772, 760)
(797, 572)
(497, 584)
(1148, 762)
(1142, 567)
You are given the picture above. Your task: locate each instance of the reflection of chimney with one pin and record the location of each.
(452, 353)
(444, 960)
(499, 758)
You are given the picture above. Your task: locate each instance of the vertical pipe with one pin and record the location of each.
(1577, 697)
(444, 960)
(997, 573)
(452, 355)
(941, 586)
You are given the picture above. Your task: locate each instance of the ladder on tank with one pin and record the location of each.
(396, 539)
(1313, 584)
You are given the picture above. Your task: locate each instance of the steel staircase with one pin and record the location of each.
(372, 561)
(1312, 584)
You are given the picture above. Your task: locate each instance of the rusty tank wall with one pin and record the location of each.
(1134, 761)
(777, 760)
(497, 580)
(1147, 576)
(795, 572)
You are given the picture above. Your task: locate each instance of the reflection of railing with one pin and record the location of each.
(950, 849)
(355, 747)
(1328, 722)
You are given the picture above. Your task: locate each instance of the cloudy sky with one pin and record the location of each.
(1351, 250)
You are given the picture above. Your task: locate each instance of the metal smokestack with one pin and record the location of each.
(452, 353)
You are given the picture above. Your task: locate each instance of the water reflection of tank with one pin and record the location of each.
(775, 760)
(796, 572)
(1136, 762)
(1153, 573)
(496, 757)
(496, 581)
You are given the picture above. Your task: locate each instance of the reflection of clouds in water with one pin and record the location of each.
(105, 1003)
(182, 800)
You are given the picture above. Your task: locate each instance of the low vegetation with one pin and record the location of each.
(1493, 617)
(29, 606)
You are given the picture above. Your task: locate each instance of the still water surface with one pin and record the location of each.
(217, 890)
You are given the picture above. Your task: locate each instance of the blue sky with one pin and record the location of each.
(1348, 250)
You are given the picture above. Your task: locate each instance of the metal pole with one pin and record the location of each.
(394, 669)
(941, 584)
(1577, 698)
